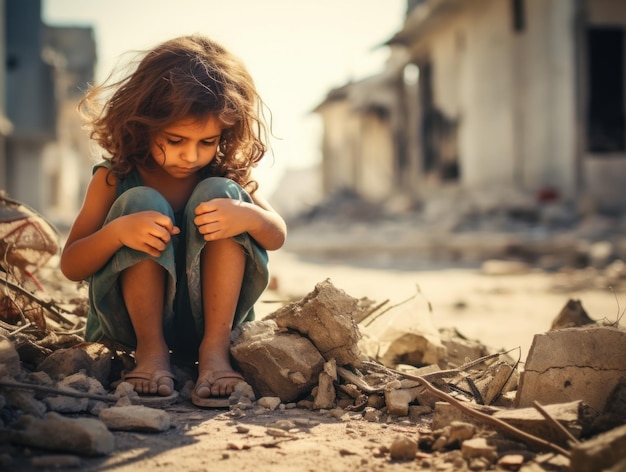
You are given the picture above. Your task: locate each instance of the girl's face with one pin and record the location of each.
(186, 146)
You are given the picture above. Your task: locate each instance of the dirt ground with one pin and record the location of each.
(502, 312)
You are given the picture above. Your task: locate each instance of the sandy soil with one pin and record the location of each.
(503, 311)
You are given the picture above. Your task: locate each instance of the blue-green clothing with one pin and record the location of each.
(182, 311)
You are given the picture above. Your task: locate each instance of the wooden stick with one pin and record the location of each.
(558, 426)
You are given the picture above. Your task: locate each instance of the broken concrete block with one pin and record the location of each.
(405, 334)
(397, 401)
(573, 364)
(276, 364)
(83, 436)
(478, 447)
(445, 414)
(135, 418)
(532, 422)
(327, 317)
(601, 452)
(325, 393)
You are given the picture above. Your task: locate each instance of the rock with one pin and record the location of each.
(397, 401)
(325, 395)
(135, 418)
(573, 364)
(100, 355)
(405, 334)
(9, 357)
(403, 449)
(573, 314)
(601, 452)
(269, 403)
(372, 414)
(478, 447)
(25, 401)
(83, 436)
(64, 362)
(277, 364)
(66, 404)
(327, 317)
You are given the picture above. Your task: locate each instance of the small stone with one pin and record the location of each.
(403, 449)
(269, 403)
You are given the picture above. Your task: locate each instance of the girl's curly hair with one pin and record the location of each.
(186, 77)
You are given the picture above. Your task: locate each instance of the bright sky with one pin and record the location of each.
(296, 50)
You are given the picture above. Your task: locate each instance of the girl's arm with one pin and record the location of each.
(90, 244)
(224, 217)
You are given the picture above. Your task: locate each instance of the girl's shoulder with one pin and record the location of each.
(104, 164)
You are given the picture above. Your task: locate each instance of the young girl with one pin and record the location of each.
(172, 234)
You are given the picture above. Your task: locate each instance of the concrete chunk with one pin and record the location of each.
(601, 452)
(83, 436)
(327, 317)
(135, 418)
(573, 364)
(277, 364)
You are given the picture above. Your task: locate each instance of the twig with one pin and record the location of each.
(56, 391)
(513, 431)
(392, 306)
(558, 426)
(367, 313)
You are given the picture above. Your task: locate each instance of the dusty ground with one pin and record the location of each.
(503, 311)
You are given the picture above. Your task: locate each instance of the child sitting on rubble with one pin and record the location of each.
(172, 234)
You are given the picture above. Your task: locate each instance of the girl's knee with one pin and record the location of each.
(139, 199)
(218, 187)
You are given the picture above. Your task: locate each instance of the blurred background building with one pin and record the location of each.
(489, 96)
(44, 157)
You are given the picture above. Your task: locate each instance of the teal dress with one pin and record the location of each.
(183, 319)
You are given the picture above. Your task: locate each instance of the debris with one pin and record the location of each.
(83, 436)
(405, 335)
(277, 364)
(573, 364)
(135, 418)
(403, 449)
(573, 314)
(327, 317)
(601, 452)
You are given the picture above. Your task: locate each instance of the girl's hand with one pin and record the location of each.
(222, 218)
(146, 231)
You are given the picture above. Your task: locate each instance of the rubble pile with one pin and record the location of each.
(463, 405)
